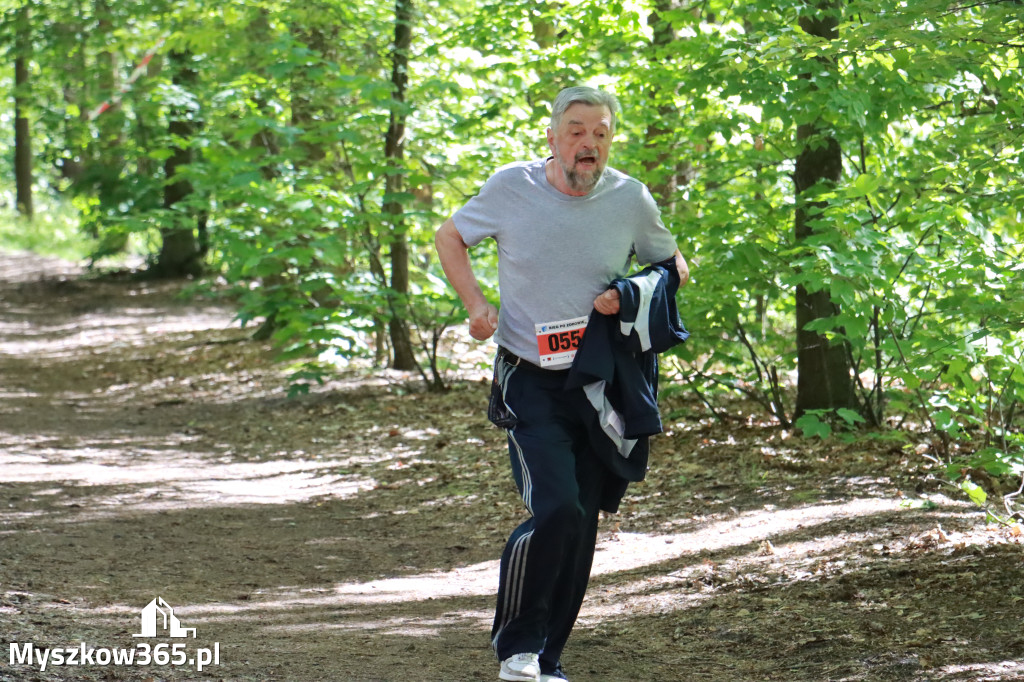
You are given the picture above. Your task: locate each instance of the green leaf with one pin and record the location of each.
(812, 426)
(974, 491)
(849, 416)
(160, 154)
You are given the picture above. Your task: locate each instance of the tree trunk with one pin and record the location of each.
(824, 375)
(108, 158)
(72, 162)
(307, 103)
(180, 254)
(22, 130)
(394, 150)
(266, 138)
(666, 168)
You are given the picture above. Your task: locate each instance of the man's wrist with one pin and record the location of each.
(478, 307)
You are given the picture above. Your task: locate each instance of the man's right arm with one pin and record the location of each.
(454, 256)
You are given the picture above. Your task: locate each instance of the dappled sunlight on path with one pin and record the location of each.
(91, 440)
(617, 553)
(634, 550)
(183, 480)
(94, 332)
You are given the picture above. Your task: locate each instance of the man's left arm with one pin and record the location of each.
(608, 302)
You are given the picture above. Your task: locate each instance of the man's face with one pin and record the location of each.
(581, 144)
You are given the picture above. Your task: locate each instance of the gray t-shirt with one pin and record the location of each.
(557, 253)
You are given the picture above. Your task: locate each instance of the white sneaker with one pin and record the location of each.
(521, 668)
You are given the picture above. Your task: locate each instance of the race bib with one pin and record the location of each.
(557, 342)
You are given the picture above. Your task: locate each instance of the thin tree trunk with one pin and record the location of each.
(394, 151)
(666, 169)
(72, 162)
(266, 138)
(22, 129)
(109, 144)
(181, 253)
(824, 379)
(305, 100)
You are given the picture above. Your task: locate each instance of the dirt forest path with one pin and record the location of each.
(148, 450)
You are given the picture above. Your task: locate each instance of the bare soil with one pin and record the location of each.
(148, 449)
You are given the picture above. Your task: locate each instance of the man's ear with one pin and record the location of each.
(551, 140)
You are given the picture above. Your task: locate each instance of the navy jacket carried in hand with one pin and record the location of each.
(616, 365)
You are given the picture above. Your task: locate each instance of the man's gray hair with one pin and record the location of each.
(582, 95)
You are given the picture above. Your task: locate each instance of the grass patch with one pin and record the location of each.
(54, 231)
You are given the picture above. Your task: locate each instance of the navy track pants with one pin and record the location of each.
(546, 564)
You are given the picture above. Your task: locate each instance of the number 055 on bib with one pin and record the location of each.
(557, 341)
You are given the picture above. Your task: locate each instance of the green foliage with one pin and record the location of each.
(918, 244)
(818, 423)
